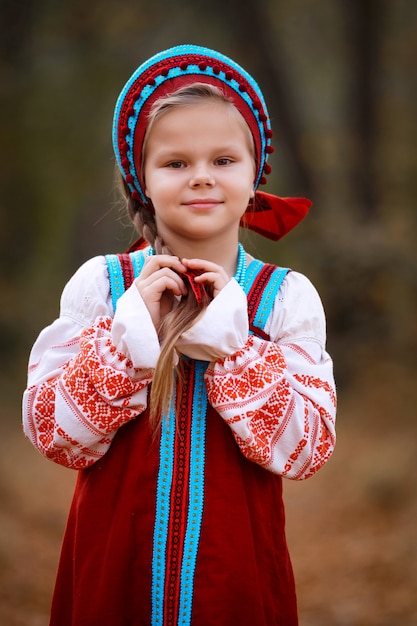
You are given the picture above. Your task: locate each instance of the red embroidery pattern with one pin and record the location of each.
(248, 374)
(252, 393)
(42, 406)
(317, 383)
(100, 383)
(100, 388)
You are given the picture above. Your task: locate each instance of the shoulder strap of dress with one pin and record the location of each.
(123, 269)
(262, 285)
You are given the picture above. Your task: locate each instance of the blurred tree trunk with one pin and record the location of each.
(16, 61)
(16, 221)
(363, 20)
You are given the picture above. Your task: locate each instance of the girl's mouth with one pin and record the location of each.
(203, 203)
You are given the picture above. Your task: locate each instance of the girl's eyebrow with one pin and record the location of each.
(221, 149)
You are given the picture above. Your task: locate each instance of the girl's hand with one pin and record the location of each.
(212, 274)
(159, 283)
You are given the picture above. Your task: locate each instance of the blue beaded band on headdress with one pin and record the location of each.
(158, 76)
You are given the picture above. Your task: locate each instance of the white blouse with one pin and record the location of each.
(89, 373)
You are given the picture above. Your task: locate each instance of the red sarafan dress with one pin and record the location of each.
(188, 526)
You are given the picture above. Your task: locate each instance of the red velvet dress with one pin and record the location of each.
(242, 572)
(181, 529)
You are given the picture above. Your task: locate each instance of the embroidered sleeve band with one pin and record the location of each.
(73, 417)
(280, 404)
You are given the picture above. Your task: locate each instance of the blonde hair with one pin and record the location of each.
(181, 317)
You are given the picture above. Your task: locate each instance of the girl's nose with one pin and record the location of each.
(201, 176)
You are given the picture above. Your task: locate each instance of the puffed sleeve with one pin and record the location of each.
(278, 396)
(89, 370)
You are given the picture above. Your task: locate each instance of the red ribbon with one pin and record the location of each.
(272, 216)
(198, 289)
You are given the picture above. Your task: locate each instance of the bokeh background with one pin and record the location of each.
(340, 80)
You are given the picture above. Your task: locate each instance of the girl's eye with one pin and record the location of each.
(224, 161)
(176, 165)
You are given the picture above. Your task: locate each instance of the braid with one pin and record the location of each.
(174, 324)
(143, 219)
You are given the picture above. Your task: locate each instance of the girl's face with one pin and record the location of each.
(199, 172)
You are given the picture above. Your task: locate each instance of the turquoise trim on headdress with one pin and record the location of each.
(176, 62)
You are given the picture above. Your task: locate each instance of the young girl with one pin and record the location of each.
(184, 379)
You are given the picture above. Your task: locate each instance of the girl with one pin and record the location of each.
(185, 378)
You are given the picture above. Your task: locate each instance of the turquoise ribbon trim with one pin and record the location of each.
(251, 271)
(268, 297)
(138, 261)
(195, 509)
(162, 516)
(196, 494)
(117, 285)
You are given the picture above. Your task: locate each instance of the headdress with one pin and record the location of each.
(179, 66)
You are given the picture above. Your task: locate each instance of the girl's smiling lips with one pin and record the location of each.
(202, 203)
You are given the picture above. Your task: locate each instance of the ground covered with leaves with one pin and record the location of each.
(352, 528)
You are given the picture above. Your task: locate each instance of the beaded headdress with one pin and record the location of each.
(165, 73)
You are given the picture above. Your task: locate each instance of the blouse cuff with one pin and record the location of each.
(223, 328)
(133, 332)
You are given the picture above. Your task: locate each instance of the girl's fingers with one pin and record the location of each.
(201, 264)
(158, 291)
(215, 279)
(159, 261)
(160, 281)
(161, 273)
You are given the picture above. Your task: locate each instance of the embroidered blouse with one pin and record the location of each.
(90, 369)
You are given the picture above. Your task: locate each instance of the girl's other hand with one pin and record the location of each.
(158, 284)
(211, 274)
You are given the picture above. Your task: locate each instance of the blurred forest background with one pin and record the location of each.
(339, 77)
